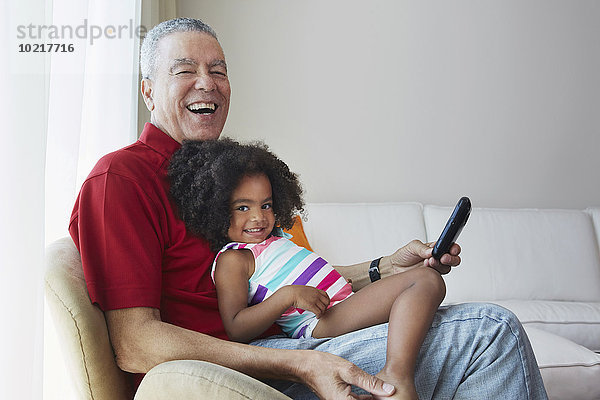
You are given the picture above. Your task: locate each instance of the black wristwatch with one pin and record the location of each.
(374, 273)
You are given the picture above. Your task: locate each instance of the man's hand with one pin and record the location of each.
(331, 377)
(417, 253)
(309, 298)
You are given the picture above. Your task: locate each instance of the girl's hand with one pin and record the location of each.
(308, 298)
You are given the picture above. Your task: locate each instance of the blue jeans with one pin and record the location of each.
(472, 351)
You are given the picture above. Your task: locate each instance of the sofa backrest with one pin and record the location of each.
(350, 233)
(595, 213)
(507, 254)
(522, 254)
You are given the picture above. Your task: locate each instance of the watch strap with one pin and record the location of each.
(374, 273)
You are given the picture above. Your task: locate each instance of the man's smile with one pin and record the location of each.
(203, 108)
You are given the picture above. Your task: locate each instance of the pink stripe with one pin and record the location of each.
(341, 294)
(329, 280)
(291, 311)
(258, 249)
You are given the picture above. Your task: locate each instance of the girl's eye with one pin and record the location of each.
(242, 208)
(267, 206)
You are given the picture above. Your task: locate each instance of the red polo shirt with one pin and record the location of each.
(135, 251)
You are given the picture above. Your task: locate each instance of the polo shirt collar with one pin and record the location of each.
(158, 140)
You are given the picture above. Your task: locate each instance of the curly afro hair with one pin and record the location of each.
(204, 174)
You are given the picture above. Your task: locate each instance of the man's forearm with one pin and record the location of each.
(358, 274)
(258, 362)
(145, 343)
(141, 341)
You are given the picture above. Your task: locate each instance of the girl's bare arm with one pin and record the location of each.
(243, 323)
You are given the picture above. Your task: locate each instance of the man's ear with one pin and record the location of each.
(146, 89)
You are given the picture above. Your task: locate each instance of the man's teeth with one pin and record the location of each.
(202, 108)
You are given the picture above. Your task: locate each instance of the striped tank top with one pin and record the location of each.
(279, 262)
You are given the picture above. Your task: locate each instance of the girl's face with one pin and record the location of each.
(252, 217)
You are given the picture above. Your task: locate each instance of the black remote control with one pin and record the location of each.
(453, 227)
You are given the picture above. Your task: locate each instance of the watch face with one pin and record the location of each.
(374, 270)
(374, 274)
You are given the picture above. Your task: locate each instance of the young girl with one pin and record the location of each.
(239, 197)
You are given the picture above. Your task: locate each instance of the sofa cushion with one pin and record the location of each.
(350, 233)
(569, 371)
(578, 322)
(595, 213)
(522, 254)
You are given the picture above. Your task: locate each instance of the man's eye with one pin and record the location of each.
(221, 73)
(184, 72)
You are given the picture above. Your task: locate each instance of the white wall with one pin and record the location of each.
(424, 101)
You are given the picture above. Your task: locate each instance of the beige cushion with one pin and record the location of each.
(189, 379)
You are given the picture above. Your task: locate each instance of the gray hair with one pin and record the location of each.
(150, 43)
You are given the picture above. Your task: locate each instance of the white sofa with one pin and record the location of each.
(544, 265)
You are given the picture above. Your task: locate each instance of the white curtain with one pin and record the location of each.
(61, 111)
(93, 98)
(92, 111)
(23, 116)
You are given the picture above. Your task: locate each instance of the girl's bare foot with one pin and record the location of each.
(405, 387)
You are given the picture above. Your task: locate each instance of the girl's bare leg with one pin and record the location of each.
(408, 301)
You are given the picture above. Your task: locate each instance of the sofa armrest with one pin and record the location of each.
(189, 379)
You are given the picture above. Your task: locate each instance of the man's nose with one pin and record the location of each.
(205, 82)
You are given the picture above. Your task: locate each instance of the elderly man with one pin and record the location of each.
(152, 278)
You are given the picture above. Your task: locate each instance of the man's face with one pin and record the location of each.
(188, 94)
